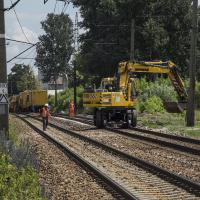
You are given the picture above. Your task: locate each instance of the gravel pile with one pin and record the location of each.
(61, 177)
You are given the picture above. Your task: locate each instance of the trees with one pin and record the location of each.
(162, 32)
(55, 48)
(21, 78)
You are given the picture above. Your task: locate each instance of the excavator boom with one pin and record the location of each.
(158, 67)
(116, 99)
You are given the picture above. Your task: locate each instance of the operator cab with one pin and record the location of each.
(108, 85)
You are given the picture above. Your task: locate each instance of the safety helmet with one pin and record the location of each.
(46, 105)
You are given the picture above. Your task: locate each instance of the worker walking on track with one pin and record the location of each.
(45, 114)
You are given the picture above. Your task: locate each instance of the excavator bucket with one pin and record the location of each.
(174, 107)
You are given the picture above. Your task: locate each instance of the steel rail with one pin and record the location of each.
(175, 146)
(164, 135)
(156, 141)
(160, 134)
(124, 193)
(160, 172)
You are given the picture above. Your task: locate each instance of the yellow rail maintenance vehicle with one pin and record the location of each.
(116, 99)
(32, 100)
(14, 103)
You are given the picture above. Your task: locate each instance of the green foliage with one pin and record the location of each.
(162, 32)
(170, 122)
(13, 136)
(153, 94)
(197, 97)
(55, 48)
(21, 78)
(18, 184)
(18, 178)
(64, 99)
(161, 88)
(152, 105)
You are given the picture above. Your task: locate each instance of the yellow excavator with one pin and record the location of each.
(116, 99)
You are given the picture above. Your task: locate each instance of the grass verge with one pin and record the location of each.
(171, 123)
(18, 176)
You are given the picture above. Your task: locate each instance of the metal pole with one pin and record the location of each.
(3, 73)
(132, 54)
(75, 89)
(76, 45)
(190, 114)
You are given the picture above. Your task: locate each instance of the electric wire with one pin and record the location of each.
(12, 6)
(21, 53)
(18, 41)
(65, 6)
(55, 6)
(21, 60)
(19, 23)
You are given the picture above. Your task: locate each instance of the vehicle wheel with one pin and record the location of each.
(99, 119)
(128, 122)
(134, 118)
(94, 118)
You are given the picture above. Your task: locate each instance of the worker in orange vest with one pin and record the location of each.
(45, 114)
(71, 109)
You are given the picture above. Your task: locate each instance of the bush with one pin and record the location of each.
(18, 184)
(18, 168)
(152, 105)
(197, 96)
(64, 99)
(161, 88)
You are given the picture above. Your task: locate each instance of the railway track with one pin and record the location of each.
(112, 186)
(179, 143)
(168, 176)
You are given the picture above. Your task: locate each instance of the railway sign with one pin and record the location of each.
(3, 88)
(3, 99)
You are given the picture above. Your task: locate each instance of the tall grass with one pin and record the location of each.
(18, 168)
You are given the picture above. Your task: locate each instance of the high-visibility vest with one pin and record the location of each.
(71, 109)
(45, 112)
(71, 106)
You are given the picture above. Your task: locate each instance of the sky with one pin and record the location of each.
(30, 14)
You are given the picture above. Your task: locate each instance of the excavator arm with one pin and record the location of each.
(127, 68)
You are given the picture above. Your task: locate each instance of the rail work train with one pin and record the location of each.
(28, 101)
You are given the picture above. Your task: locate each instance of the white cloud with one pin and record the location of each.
(14, 49)
(18, 35)
(30, 14)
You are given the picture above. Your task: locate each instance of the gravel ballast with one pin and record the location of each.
(61, 177)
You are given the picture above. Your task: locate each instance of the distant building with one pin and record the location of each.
(62, 84)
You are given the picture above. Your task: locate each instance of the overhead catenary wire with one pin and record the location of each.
(12, 6)
(21, 60)
(55, 6)
(19, 41)
(65, 6)
(22, 53)
(19, 22)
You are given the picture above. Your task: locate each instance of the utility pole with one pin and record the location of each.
(76, 45)
(132, 54)
(3, 75)
(190, 114)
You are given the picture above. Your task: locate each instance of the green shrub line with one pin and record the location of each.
(64, 99)
(17, 183)
(19, 178)
(151, 99)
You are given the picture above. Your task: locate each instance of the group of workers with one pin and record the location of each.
(45, 113)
